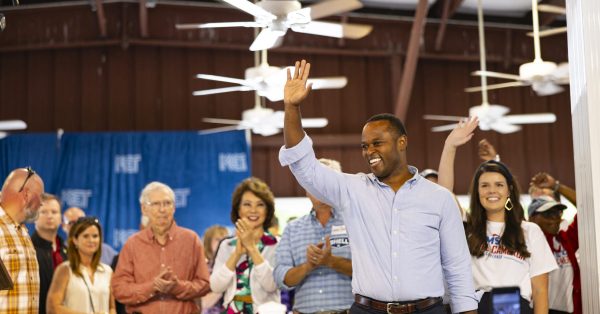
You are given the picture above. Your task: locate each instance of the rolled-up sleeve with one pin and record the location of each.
(284, 259)
(456, 259)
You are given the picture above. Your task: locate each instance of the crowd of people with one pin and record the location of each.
(391, 241)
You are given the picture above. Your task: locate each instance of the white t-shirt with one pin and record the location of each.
(560, 281)
(498, 268)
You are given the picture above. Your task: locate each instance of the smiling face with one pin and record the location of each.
(493, 192)
(253, 209)
(88, 241)
(383, 150)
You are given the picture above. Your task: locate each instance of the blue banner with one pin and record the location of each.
(103, 173)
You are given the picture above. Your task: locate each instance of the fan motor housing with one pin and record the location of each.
(280, 8)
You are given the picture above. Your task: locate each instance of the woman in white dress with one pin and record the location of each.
(82, 284)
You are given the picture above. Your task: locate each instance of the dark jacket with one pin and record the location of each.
(43, 250)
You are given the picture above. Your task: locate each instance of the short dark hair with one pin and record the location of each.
(48, 196)
(395, 123)
(259, 188)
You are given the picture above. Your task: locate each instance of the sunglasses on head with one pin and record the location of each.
(30, 173)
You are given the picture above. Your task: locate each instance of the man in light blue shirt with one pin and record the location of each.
(313, 256)
(406, 233)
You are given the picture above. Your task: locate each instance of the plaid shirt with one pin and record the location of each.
(323, 289)
(18, 255)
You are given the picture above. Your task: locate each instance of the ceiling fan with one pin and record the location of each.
(261, 120)
(11, 125)
(491, 117)
(544, 77)
(275, 17)
(554, 9)
(268, 81)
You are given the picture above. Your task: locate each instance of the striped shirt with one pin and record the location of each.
(323, 289)
(18, 255)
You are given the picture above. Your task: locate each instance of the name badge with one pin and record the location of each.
(338, 230)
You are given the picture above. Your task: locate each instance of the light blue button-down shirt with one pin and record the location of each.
(405, 243)
(323, 289)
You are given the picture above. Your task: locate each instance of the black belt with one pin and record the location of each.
(397, 307)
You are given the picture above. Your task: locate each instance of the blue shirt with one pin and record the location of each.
(323, 289)
(404, 243)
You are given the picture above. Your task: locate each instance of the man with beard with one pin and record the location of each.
(406, 233)
(19, 203)
(161, 269)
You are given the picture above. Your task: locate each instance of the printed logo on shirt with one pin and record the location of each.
(498, 251)
(339, 237)
(562, 259)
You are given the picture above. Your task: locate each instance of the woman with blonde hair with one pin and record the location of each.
(82, 284)
(243, 268)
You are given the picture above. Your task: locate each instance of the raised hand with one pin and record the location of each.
(543, 180)
(462, 133)
(296, 90)
(486, 150)
(245, 234)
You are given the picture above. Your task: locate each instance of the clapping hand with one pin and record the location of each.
(319, 254)
(296, 90)
(245, 234)
(165, 281)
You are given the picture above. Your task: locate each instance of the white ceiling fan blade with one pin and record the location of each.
(328, 82)
(222, 79)
(531, 118)
(221, 121)
(501, 126)
(438, 117)
(221, 90)
(546, 88)
(506, 76)
(219, 25)
(267, 39)
(221, 129)
(495, 86)
(548, 8)
(550, 32)
(314, 122)
(13, 125)
(337, 30)
(561, 74)
(333, 7)
(252, 9)
(443, 128)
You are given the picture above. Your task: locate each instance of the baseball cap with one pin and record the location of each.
(542, 204)
(428, 172)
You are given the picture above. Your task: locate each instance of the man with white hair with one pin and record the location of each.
(20, 200)
(314, 257)
(152, 275)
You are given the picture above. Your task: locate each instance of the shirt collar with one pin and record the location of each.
(411, 182)
(313, 213)
(7, 218)
(171, 233)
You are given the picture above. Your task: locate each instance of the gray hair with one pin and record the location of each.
(155, 186)
(333, 164)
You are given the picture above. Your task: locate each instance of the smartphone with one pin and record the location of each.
(505, 300)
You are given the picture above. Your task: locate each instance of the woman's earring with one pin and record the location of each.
(508, 205)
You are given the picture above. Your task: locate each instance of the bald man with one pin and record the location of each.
(20, 200)
(70, 217)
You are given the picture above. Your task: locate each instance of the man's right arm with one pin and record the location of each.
(124, 286)
(286, 273)
(295, 92)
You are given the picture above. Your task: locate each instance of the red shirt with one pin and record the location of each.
(141, 260)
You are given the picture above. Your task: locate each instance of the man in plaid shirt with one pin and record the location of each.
(19, 203)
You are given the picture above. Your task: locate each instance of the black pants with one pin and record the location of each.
(360, 309)
(484, 305)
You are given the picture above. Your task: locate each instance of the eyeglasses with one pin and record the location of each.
(30, 173)
(168, 204)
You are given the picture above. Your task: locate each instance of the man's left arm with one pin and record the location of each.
(198, 285)
(456, 259)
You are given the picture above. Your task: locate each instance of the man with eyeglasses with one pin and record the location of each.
(20, 200)
(70, 217)
(49, 246)
(161, 269)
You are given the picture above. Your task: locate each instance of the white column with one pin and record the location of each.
(583, 20)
